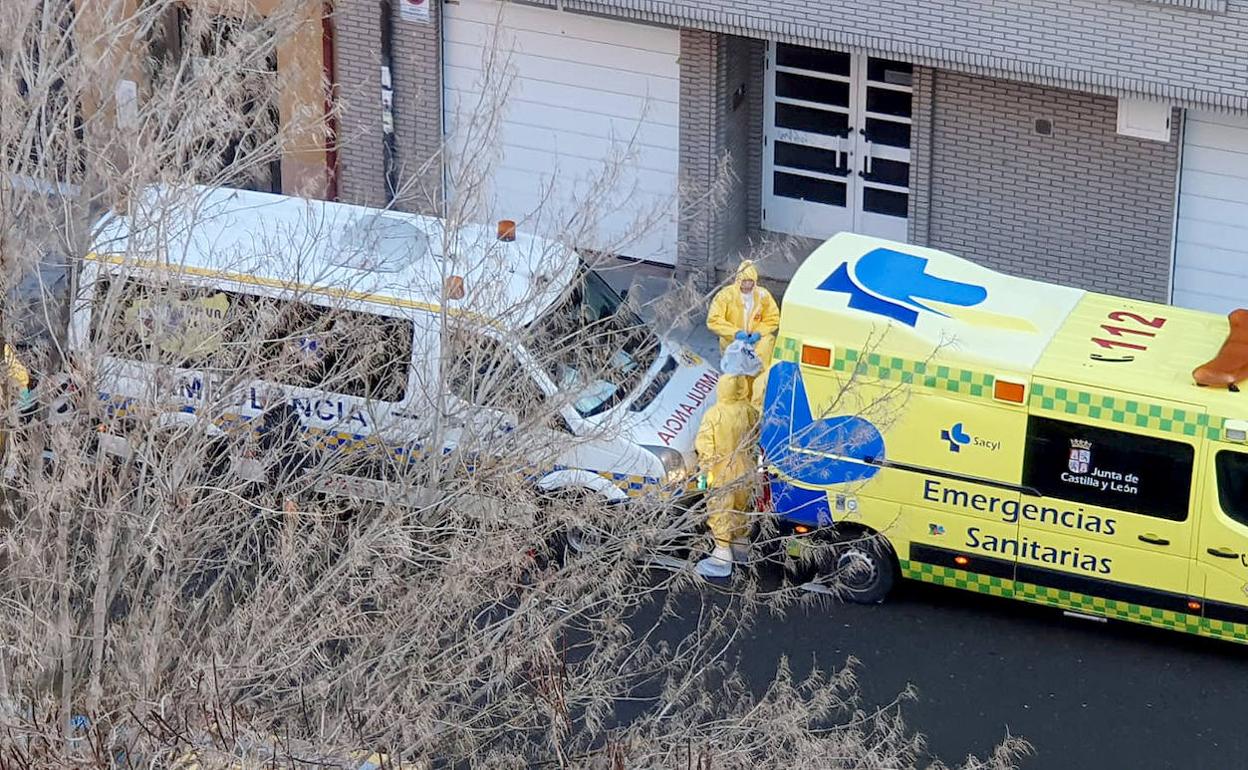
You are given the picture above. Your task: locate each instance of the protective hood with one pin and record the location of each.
(731, 389)
(746, 272)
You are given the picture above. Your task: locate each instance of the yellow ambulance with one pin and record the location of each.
(1001, 435)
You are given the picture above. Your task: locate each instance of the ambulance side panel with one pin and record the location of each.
(934, 470)
(342, 420)
(1114, 491)
(953, 466)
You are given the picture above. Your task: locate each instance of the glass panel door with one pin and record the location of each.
(837, 143)
(807, 161)
(886, 90)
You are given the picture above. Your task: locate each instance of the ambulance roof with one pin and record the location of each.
(388, 256)
(1116, 344)
(922, 304)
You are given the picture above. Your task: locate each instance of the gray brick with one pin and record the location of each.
(1156, 47)
(357, 64)
(1084, 207)
(715, 138)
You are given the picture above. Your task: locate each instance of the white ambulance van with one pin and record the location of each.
(185, 273)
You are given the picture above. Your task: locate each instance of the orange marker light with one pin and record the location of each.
(1193, 606)
(1008, 391)
(454, 287)
(506, 230)
(799, 529)
(961, 561)
(816, 356)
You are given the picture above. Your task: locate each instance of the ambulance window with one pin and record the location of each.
(1233, 484)
(1108, 468)
(176, 325)
(347, 352)
(482, 371)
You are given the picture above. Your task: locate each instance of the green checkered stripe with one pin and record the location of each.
(1121, 411)
(956, 578)
(928, 375)
(1070, 600)
(787, 349)
(936, 376)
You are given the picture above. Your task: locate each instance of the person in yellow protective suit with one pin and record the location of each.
(17, 388)
(19, 377)
(746, 307)
(726, 453)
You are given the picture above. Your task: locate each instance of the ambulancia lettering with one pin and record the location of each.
(689, 405)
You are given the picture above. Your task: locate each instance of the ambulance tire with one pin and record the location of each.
(864, 566)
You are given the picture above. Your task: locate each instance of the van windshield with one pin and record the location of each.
(593, 346)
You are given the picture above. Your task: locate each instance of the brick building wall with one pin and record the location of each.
(716, 129)
(357, 69)
(754, 168)
(733, 141)
(921, 156)
(1083, 206)
(417, 54)
(698, 57)
(1187, 51)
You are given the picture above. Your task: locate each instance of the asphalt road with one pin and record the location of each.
(1084, 694)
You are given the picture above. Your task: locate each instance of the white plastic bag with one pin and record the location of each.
(739, 358)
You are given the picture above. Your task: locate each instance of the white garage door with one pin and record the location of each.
(1211, 242)
(586, 145)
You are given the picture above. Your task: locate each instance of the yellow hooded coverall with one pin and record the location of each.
(725, 451)
(726, 317)
(19, 380)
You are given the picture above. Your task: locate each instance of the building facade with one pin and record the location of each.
(1096, 143)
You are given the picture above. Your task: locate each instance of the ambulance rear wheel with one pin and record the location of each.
(864, 568)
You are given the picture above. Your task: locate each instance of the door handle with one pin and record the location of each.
(867, 157)
(1149, 537)
(1222, 553)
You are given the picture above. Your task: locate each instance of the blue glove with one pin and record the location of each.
(754, 338)
(740, 336)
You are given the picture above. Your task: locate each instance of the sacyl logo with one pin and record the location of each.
(956, 437)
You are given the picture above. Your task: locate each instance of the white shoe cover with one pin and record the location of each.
(718, 564)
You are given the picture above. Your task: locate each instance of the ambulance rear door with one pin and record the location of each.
(1221, 563)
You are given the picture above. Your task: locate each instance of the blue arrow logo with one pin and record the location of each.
(893, 284)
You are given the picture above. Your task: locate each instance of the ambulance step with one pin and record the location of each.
(1083, 616)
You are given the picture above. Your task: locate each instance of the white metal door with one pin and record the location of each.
(567, 123)
(837, 143)
(1211, 237)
